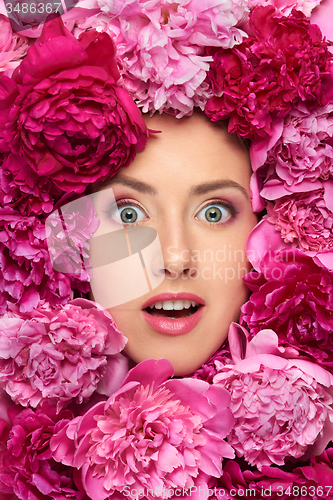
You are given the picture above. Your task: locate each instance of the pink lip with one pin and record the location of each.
(176, 326)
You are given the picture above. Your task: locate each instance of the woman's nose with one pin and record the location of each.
(176, 244)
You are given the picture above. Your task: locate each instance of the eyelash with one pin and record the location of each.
(229, 206)
(225, 204)
(118, 205)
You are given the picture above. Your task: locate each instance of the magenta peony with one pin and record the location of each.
(27, 275)
(312, 480)
(152, 434)
(283, 61)
(13, 47)
(57, 355)
(65, 113)
(283, 407)
(294, 297)
(27, 469)
(160, 47)
(22, 189)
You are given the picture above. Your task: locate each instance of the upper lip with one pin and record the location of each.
(173, 296)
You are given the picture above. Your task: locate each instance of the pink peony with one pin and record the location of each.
(68, 231)
(57, 355)
(27, 275)
(312, 480)
(299, 155)
(286, 6)
(27, 469)
(22, 189)
(294, 297)
(64, 112)
(160, 47)
(305, 219)
(12, 47)
(283, 407)
(322, 16)
(153, 433)
(283, 61)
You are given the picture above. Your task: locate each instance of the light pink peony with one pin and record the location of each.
(13, 47)
(160, 47)
(298, 154)
(322, 16)
(68, 231)
(283, 407)
(57, 355)
(305, 219)
(286, 6)
(153, 433)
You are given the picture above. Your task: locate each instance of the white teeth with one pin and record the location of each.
(176, 305)
(168, 305)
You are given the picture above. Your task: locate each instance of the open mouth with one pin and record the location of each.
(173, 309)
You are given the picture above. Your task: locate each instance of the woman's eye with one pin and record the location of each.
(216, 213)
(126, 213)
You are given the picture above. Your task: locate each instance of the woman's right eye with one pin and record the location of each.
(126, 212)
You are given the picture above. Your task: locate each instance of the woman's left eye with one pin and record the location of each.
(126, 213)
(216, 213)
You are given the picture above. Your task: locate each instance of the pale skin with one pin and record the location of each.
(190, 167)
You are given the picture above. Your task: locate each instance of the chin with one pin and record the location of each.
(183, 361)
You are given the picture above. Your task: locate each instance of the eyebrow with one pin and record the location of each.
(204, 188)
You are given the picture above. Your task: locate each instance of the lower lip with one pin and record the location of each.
(176, 326)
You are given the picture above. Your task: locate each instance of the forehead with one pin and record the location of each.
(189, 150)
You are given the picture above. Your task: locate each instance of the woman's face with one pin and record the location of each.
(191, 184)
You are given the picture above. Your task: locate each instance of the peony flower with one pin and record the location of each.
(57, 355)
(13, 47)
(153, 433)
(22, 189)
(283, 407)
(283, 61)
(308, 480)
(293, 296)
(298, 155)
(65, 113)
(160, 47)
(68, 231)
(304, 219)
(27, 275)
(286, 6)
(27, 468)
(321, 16)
